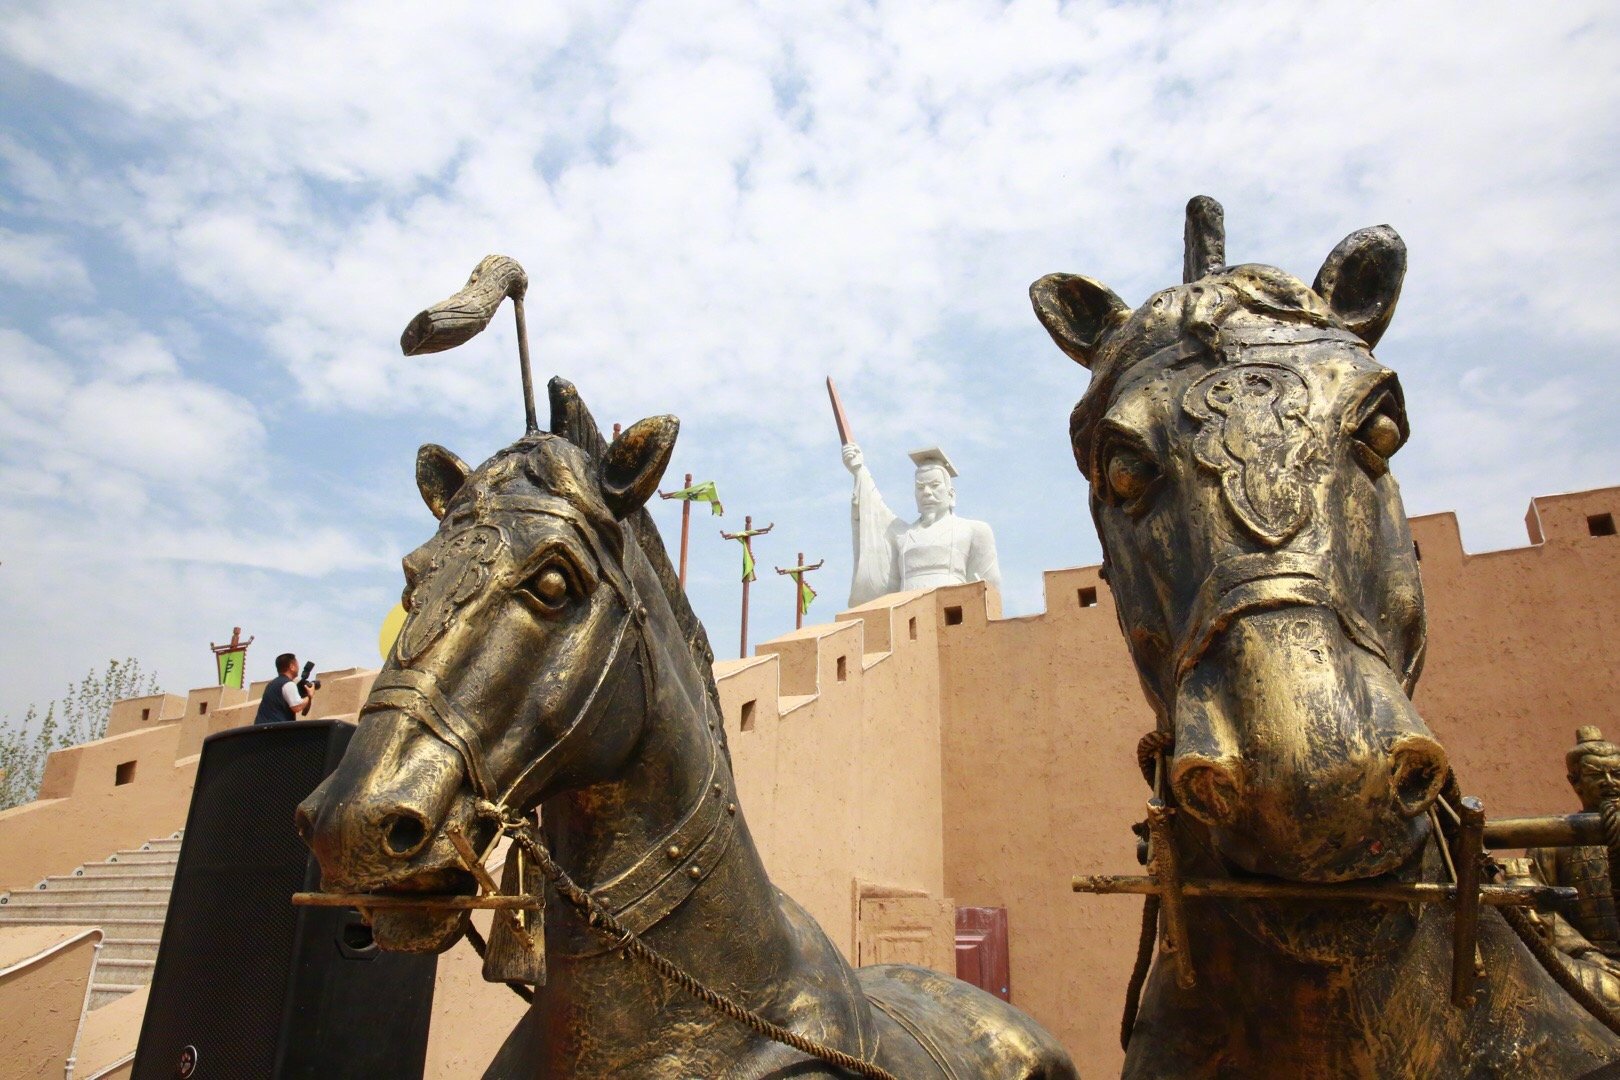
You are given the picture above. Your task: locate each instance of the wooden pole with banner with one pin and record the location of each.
(231, 660)
(686, 528)
(704, 492)
(746, 538)
(803, 594)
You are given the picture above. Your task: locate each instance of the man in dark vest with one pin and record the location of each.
(284, 698)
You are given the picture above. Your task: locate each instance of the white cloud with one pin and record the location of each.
(138, 515)
(38, 261)
(117, 405)
(719, 203)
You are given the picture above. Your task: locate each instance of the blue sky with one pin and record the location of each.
(215, 219)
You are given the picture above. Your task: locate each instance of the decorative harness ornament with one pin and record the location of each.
(1255, 434)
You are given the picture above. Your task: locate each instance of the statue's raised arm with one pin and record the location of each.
(871, 528)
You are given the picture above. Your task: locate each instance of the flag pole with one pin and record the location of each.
(746, 537)
(742, 650)
(797, 574)
(686, 528)
(798, 604)
(687, 497)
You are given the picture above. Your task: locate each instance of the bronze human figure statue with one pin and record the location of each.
(549, 659)
(1237, 436)
(1587, 930)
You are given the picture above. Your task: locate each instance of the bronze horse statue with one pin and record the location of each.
(1237, 436)
(549, 659)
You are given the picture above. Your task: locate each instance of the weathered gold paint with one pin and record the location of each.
(1237, 435)
(548, 660)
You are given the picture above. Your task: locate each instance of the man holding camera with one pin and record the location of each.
(287, 697)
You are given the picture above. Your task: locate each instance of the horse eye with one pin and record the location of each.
(1129, 474)
(1380, 434)
(548, 587)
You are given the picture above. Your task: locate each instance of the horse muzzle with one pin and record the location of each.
(379, 824)
(1300, 750)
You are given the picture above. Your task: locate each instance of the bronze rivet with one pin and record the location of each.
(731, 808)
(694, 873)
(674, 851)
(716, 789)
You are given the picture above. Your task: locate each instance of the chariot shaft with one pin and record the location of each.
(1540, 897)
(423, 903)
(1551, 830)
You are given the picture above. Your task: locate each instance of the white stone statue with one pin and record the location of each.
(938, 548)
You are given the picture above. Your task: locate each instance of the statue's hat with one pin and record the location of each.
(933, 455)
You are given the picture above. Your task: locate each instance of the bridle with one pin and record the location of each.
(660, 878)
(1242, 583)
(1264, 581)
(414, 695)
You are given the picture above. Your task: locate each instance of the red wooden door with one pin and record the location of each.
(981, 949)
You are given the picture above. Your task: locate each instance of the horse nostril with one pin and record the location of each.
(304, 822)
(1208, 790)
(404, 833)
(1417, 772)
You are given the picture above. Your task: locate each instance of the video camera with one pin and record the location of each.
(305, 683)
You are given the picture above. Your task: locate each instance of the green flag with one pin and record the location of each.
(230, 667)
(748, 560)
(806, 595)
(704, 492)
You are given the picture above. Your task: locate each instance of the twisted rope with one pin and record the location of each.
(1148, 751)
(1552, 960)
(603, 922)
(1139, 972)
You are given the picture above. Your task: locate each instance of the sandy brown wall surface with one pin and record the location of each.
(975, 758)
(135, 784)
(840, 778)
(83, 813)
(1524, 646)
(44, 973)
(1042, 715)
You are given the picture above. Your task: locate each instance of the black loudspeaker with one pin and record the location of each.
(246, 986)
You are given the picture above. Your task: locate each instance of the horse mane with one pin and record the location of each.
(571, 420)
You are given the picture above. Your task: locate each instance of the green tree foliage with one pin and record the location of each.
(78, 717)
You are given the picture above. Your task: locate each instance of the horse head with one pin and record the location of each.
(1237, 435)
(507, 683)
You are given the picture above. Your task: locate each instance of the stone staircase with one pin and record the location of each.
(126, 896)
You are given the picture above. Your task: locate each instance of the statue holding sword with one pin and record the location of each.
(893, 555)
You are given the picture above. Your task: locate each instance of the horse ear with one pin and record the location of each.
(635, 462)
(439, 475)
(1361, 280)
(1078, 312)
